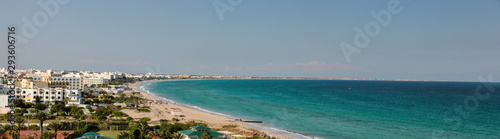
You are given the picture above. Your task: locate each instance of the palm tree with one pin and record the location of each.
(48, 135)
(20, 123)
(65, 134)
(143, 129)
(40, 107)
(207, 135)
(14, 134)
(178, 135)
(3, 130)
(143, 126)
(125, 135)
(157, 133)
(65, 100)
(167, 134)
(55, 126)
(28, 118)
(42, 116)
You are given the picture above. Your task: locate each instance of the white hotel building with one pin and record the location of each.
(73, 82)
(45, 94)
(59, 82)
(96, 81)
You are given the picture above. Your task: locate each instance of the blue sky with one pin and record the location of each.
(428, 40)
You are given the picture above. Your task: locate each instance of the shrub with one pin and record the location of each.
(104, 126)
(34, 127)
(194, 123)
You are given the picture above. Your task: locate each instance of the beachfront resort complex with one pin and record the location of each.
(86, 104)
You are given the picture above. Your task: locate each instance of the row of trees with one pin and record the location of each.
(14, 132)
(19, 103)
(90, 98)
(98, 86)
(54, 126)
(138, 129)
(74, 111)
(121, 81)
(38, 114)
(109, 99)
(141, 130)
(20, 120)
(58, 109)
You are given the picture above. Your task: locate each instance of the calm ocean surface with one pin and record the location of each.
(347, 109)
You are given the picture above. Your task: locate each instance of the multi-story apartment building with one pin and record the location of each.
(103, 75)
(68, 82)
(50, 95)
(96, 81)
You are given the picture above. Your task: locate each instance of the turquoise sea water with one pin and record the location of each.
(347, 109)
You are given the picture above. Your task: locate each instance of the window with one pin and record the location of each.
(58, 97)
(34, 92)
(46, 97)
(46, 92)
(24, 92)
(58, 92)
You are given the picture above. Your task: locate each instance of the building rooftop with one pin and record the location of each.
(199, 134)
(92, 135)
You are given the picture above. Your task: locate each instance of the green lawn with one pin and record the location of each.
(111, 133)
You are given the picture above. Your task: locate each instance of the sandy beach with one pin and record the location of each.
(162, 110)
